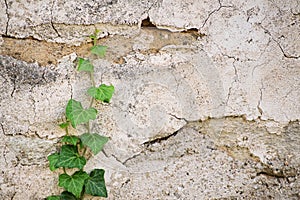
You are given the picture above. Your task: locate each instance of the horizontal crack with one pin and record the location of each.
(270, 172)
(160, 139)
(179, 118)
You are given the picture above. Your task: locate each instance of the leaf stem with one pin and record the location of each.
(67, 131)
(84, 151)
(92, 78)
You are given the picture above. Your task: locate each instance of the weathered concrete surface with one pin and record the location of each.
(208, 113)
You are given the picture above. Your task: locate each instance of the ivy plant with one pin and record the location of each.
(72, 154)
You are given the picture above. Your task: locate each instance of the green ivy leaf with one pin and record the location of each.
(53, 158)
(77, 115)
(64, 125)
(85, 65)
(53, 197)
(94, 141)
(74, 183)
(102, 93)
(70, 158)
(95, 185)
(67, 196)
(99, 50)
(71, 139)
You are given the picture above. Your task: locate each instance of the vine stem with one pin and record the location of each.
(92, 78)
(92, 99)
(67, 131)
(91, 104)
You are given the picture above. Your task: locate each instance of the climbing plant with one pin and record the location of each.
(72, 155)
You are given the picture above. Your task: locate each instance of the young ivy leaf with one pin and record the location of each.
(53, 158)
(95, 185)
(77, 115)
(99, 50)
(85, 65)
(94, 141)
(70, 158)
(102, 93)
(71, 139)
(74, 183)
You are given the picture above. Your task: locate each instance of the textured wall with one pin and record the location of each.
(206, 103)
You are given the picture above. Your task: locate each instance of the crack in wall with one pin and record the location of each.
(7, 15)
(51, 20)
(2, 128)
(214, 11)
(283, 52)
(160, 139)
(14, 87)
(47, 53)
(13, 196)
(279, 45)
(235, 78)
(179, 118)
(260, 99)
(128, 159)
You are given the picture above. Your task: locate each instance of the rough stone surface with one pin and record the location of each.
(206, 103)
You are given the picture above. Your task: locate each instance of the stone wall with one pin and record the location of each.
(206, 103)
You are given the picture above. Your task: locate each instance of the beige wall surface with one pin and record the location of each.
(206, 102)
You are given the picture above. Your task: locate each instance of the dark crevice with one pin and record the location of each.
(7, 15)
(147, 23)
(128, 159)
(179, 118)
(16, 38)
(284, 54)
(2, 128)
(272, 174)
(52, 24)
(13, 196)
(56, 31)
(194, 32)
(159, 140)
(14, 88)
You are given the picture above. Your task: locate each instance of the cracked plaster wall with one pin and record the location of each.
(206, 103)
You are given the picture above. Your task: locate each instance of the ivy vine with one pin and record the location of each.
(72, 153)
